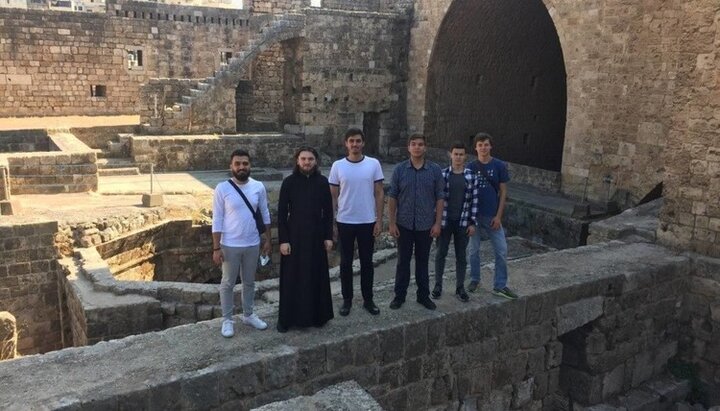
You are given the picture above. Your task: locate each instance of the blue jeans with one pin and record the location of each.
(499, 245)
(452, 230)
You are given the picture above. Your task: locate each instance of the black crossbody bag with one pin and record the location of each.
(256, 213)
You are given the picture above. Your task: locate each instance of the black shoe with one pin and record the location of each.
(473, 286)
(427, 303)
(437, 291)
(462, 295)
(370, 306)
(345, 308)
(396, 303)
(281, 328)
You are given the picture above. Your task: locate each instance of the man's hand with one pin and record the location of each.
(436, 230)
(471, 230)
(393, 230)
(266, 247)
(377, 229)
(495, 224)
(328, 245)
(218, 257)
(285, 249)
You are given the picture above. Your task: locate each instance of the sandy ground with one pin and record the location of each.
(25, 123)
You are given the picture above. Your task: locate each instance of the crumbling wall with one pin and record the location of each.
(29, 284)
(55, 59)
(700, 323)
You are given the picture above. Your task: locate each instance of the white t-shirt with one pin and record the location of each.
(231, 216)
(356, 180)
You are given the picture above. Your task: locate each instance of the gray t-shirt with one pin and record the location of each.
(456, 196)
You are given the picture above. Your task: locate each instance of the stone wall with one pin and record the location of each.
(185, 153)
(100, 137)
(24, 141)
(599, 318)
(70, 168)
(52, 60)
(29, 284)
(691, 216)
(350, 74)
(700, 322)
(172, 251)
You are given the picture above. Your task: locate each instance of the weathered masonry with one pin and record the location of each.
(593, 322)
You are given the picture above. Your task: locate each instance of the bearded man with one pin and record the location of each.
(237, 238)
(305, 217)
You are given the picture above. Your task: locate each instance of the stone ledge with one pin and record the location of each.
(193, 366)
(346, 396)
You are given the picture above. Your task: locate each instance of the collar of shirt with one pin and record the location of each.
(410, 164)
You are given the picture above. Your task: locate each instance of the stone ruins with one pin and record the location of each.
(608, 113)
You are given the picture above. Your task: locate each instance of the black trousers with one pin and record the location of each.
(421, 242)
(347, 234)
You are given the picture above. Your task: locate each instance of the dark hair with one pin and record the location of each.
(457, 145)
(354, 132)
(311, 150)
(416, 136)
(482, 136)
(239, 153)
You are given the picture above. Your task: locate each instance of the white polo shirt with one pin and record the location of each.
(356, 180)
(233, 218)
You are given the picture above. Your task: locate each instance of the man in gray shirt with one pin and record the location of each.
(415, 207)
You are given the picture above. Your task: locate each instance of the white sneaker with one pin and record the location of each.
(254, 321)
(228, 328)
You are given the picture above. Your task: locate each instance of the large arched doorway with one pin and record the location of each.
(497, 66)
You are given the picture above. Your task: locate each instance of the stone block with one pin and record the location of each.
(392, 343)
(281, 368)
(643, 368)
(152, 200)
(523, 393)
(499, 399)
(574, 315)
(613, 382)
(311, 363)
(200, 389)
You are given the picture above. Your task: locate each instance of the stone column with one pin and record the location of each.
(8, 336)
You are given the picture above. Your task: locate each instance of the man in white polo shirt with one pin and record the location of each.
(236, 238)
(356, 184)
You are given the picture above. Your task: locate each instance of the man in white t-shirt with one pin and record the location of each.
(356, 185)
(236, 239)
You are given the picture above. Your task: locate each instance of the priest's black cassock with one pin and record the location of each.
(305, 221)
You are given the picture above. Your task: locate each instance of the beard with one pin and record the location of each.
(305, 171)
(242, 175)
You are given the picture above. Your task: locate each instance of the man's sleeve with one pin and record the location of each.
(378, 173)
(395, 183)
(263, 204)
(218, 210)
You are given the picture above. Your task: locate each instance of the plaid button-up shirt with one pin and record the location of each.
(470, 201)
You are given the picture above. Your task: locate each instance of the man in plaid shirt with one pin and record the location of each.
(458, 220)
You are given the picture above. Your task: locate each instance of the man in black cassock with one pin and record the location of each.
(305, 231)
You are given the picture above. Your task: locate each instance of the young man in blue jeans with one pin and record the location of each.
(458, 220)
(491, 175)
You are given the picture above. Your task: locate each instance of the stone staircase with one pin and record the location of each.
(115, 160)
(209, 105)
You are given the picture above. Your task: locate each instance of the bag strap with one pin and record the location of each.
(247, 203)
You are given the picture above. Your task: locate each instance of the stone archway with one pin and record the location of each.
(497, 66)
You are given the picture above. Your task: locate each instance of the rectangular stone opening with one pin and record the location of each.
(135, 59)
(98, 90)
